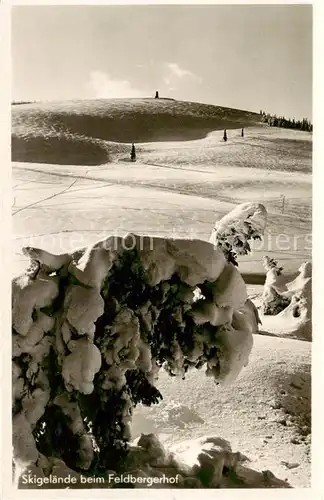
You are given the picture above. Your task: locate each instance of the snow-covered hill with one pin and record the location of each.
(91, 132)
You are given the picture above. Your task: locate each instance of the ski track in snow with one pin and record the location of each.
(162, 198)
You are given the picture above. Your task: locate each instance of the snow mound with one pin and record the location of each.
(211, 461)
(287, 304)
(207, 462)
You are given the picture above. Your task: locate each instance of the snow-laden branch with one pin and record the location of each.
(234, 232)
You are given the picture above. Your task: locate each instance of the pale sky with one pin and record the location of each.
(249, 57)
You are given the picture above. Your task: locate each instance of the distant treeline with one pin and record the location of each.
(281, 121)
(21, 102)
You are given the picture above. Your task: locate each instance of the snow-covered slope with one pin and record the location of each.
(174, 189)
(266, 414)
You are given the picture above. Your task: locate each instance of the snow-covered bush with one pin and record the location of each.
(289, 300)
(271, 264)
(273, 300)
(91, 330)
(237, 228)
